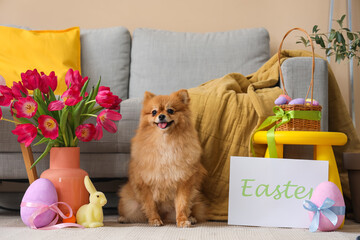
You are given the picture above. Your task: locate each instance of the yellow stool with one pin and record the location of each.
(322, 141)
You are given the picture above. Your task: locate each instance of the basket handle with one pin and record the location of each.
(313, 64)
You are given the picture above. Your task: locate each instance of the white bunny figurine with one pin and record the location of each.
(91, 215)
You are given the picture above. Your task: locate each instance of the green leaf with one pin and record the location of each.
(43, 140)
(350, 36)
(315, 29)
(71, 136)
(340, 21)
(52, 96)
(332, 35)
(304, 41)
(47, 150)
(83, 90)
(63, 123)
(76, 113)
(322, 44)
(25, 120)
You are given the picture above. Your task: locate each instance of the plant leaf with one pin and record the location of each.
(83, 90)
(47, 150)
(322, 44)
(43, 140)
(340, 21)
(315, 29)
(63, 123)
(350, 36)
(332, 35)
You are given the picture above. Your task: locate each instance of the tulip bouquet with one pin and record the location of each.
(59, 120)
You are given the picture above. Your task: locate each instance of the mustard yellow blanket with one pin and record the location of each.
(226, 112)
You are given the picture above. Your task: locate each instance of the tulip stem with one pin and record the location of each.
(7, 120)
(89, 102)
(89, 115)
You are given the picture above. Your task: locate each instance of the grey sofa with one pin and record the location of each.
(160, 62)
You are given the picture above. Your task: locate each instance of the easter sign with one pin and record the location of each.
(270, 192)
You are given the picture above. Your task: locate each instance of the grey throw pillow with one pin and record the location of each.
(105, 52)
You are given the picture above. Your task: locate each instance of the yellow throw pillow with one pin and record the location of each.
(54, 50)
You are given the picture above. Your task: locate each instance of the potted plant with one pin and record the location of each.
(343, 44)
(59, 122)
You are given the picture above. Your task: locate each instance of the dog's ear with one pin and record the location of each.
(148, 95)
(183, 95)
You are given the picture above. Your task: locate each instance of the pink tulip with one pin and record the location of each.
(48, 81)
(105, 117)
(12, 108)
(48, 126)
(0, 114)
(56, 106)
(98, 132)
(71, 96)
(26, 107)
(5, 96)
(17, 89)
(26, 133)
(107, 99)
(31, 79)
(85, 132)
(74, 78)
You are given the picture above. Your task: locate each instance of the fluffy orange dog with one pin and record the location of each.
(165, 173)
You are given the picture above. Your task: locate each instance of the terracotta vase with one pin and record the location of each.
(67, 176)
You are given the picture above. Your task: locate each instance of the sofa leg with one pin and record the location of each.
(29, 160)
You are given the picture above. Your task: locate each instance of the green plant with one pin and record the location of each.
(335, 42)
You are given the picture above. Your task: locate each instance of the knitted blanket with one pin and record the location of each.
(227, 110)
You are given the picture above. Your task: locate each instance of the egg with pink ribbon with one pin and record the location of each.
(326, 207)
(40, 193)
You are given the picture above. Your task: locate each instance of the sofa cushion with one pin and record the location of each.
(105, 52)
(53, 50)
(164, 61)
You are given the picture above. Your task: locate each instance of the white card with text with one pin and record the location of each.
(270, 191)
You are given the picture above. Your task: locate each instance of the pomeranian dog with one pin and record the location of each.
(165, 173)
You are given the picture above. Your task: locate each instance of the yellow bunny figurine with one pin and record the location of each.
(91, 215)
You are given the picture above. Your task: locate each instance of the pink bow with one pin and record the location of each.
(53, 207)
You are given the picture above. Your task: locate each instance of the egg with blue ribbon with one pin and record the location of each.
(326, 208)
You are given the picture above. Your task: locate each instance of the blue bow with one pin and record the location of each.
(327, 209)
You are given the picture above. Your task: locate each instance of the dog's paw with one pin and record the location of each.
(156, 222)
(192, 220)
(183, 223)
(122, 219)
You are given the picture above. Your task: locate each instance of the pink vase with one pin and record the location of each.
(67, 176)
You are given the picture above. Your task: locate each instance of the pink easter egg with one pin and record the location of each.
(322, 191)
(287, 97)
(40, 191)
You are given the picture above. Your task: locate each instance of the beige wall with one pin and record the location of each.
(277, 16)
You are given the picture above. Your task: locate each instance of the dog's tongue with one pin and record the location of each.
(162, 125)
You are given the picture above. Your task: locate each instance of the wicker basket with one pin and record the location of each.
(296, 124)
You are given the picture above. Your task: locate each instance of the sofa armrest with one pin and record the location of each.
(297, 77)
